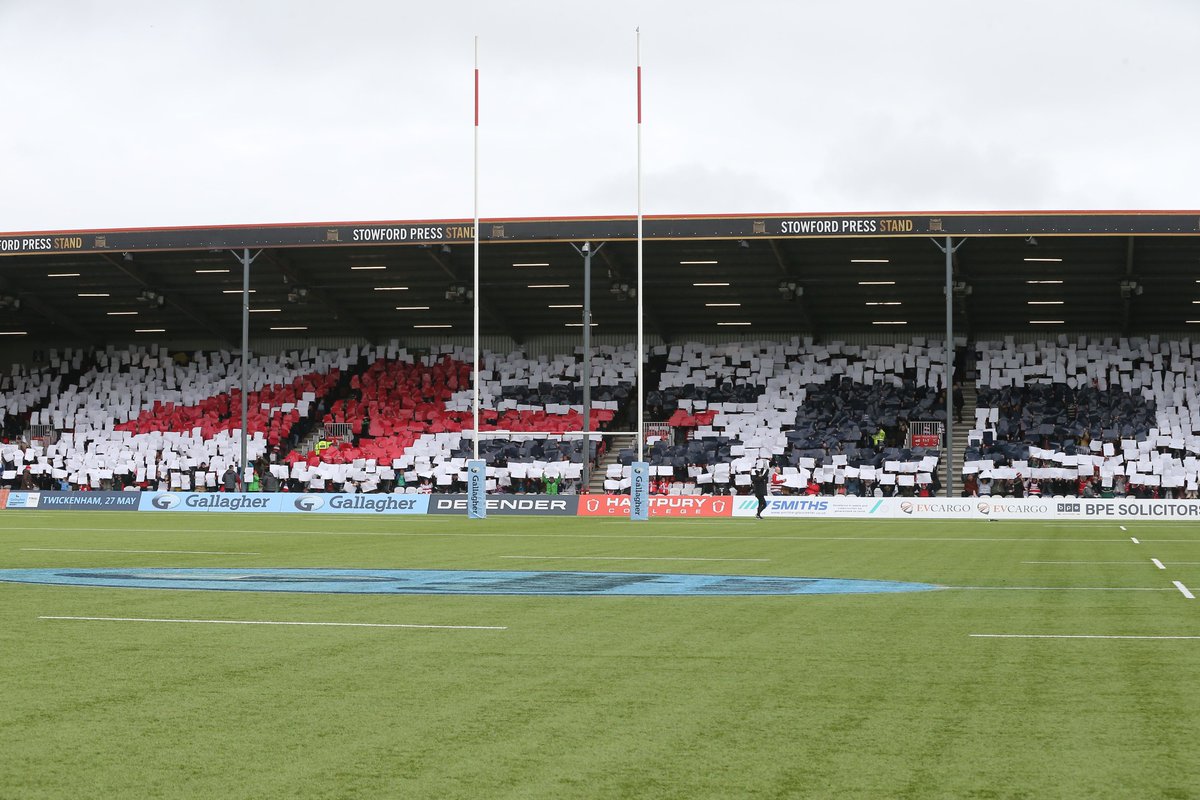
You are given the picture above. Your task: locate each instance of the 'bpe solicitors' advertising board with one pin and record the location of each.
(1084, 508)
(617, 505)
(531, 504)
(285, 503)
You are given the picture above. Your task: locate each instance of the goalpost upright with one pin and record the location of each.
(476, 468)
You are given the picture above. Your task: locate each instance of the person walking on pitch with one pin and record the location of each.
(758, 481)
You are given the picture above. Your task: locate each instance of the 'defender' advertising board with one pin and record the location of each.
(555, 505)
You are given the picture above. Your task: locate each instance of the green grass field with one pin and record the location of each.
(873, 696)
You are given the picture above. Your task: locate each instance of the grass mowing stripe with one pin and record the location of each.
(271, 622)
(102, 550)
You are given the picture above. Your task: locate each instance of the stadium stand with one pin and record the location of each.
(831, 417)
(140, 417)
(410, 413)
(1092, 418)
(1071, 416)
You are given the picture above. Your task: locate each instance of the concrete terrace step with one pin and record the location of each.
(970, 398)
(599, 473)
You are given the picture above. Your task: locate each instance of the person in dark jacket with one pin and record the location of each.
(758, 481)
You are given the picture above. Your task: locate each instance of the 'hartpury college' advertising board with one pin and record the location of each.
(617, 505)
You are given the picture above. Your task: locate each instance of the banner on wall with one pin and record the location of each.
(554, 505)
(85, 501)
(617, 505)
(284, 503)
(353, 503)
(817, 507)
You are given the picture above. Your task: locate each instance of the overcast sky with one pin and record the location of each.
(123, 113)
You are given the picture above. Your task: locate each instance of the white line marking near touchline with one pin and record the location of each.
(1083, 562)
(638, 536)
(1124, 528)
(95, 550)
(1134, 540)
(1069, 588)
(1066, 636)
(628, 558)
(268, 622)
(1158, 563)
(1185, 591)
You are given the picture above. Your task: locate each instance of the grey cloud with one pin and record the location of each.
(132, 112)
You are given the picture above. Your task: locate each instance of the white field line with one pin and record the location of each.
(1134, 540)
(1184, 589)
(1067, 588)
(1066, 636)
(639, 536)
(97, 550)
(1124, 528)
(1158, 563)
(627, 558)
(1083, 562)
(269, 622)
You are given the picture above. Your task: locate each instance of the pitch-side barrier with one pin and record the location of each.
(615, 506)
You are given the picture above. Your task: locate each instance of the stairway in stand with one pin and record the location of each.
(611, 456)
(970, 398)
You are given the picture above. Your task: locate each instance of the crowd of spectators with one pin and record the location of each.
(1110, 418)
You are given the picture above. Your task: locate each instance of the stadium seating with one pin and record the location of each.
(1072, 413)
(142, 416)
(805, 406)
(413, 416)
(1106, 416)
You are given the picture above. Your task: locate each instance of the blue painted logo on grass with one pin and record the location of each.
(420, 581)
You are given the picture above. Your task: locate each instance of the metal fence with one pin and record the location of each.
(660, 429)
(337, 431)
(926, 434)
(44, 434)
